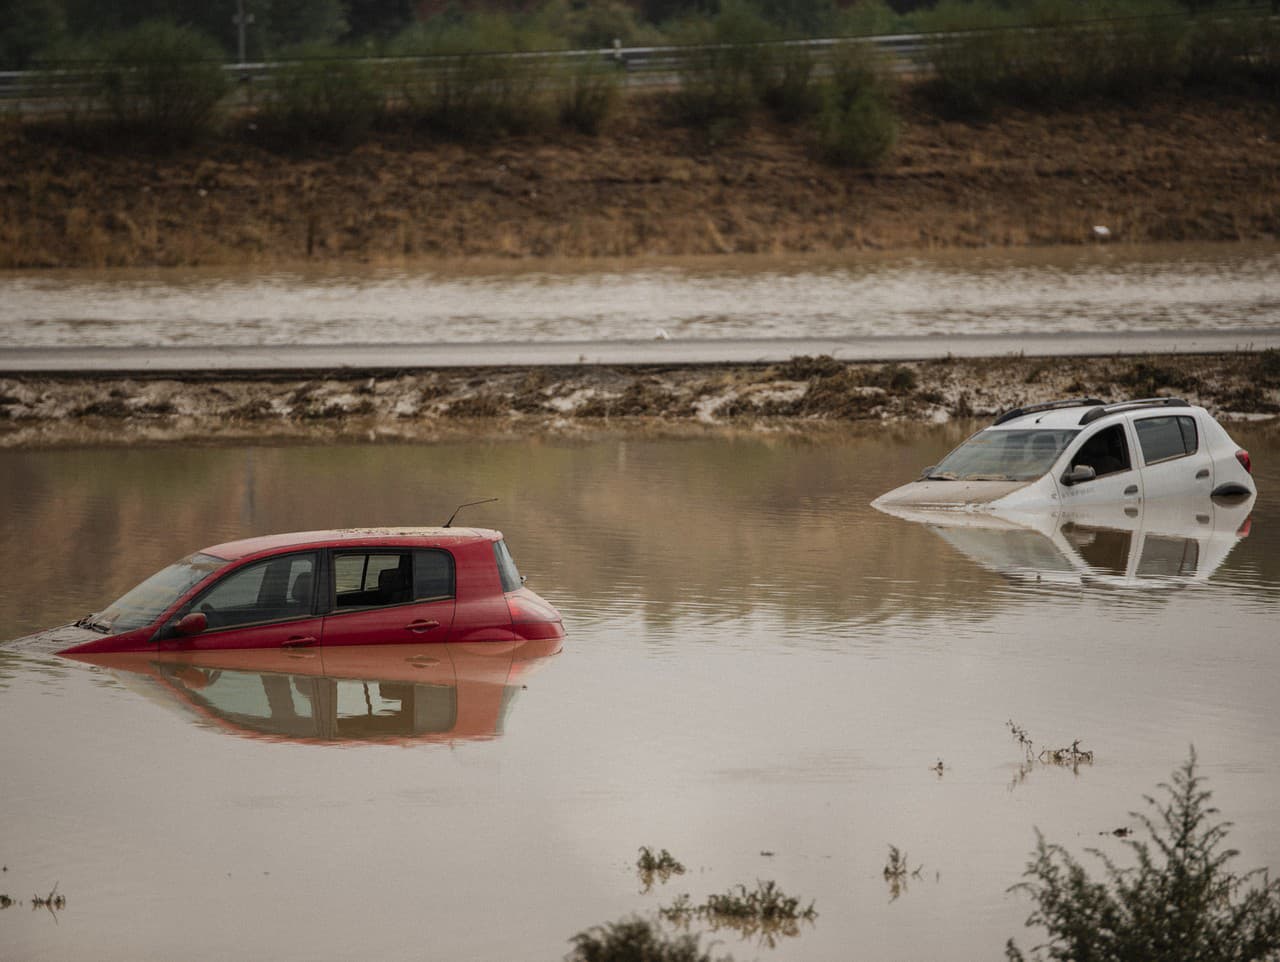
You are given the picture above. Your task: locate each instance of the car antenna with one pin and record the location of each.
(467, 505)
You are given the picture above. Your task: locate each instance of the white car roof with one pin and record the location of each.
(1069, 417)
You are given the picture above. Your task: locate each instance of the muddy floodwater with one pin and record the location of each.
(1076, 290)
(761, 675)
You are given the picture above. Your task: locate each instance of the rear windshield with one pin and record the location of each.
(998, 455)
(145, 603)
(506, 567)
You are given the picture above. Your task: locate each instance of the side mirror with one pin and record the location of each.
(192, 624)
(1081, 472)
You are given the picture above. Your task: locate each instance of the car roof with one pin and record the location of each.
(1064, 414)
(338, 537)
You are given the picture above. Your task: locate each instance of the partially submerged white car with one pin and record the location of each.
(1084, 451)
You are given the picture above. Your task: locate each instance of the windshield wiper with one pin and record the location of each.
(944, 476)
(989, 477)
(88, 622)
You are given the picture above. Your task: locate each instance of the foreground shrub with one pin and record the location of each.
(634, 940)
(1179, 901)
(159, 82)
(322, 93)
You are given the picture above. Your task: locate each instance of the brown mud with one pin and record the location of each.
(1202, 169)
(802, 394)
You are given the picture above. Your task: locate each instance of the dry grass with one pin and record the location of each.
(1175, 170)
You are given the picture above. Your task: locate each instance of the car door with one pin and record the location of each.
(269, 603)
(1108, 449)
(1175, 458)
(389, 596)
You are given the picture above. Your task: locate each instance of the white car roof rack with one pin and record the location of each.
(1047, 406)
(1150, 402)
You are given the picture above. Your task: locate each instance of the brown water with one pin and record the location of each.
(757, 662)
(1167, 288)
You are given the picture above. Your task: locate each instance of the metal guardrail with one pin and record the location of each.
(39, 91)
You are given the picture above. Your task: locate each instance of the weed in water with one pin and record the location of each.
(635, 940)
(765, 912)
(661, 866)
(1178, 901)
(897, 872)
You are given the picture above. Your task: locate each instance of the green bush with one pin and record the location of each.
(723, 81)
(321, 92)
(1235, 51)
(1052, 53)
(456, 81)
(586, 94)
(160, 82)
(858, 125)
(1178, 902)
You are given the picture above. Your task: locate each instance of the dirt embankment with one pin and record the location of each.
(1172, 170)
(800, 394)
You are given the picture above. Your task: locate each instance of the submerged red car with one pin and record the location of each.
(361, 586)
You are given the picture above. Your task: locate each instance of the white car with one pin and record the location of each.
(1084, 452)
(1171, 542)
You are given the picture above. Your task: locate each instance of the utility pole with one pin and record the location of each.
(241, 21)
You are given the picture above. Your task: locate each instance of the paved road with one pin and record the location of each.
(383, 357)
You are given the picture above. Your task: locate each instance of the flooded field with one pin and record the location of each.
(1039, 291)
(761, 676)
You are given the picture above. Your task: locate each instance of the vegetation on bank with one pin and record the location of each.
(452, 77)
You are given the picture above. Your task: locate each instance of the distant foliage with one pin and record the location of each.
(1178, 902)
(322, 93)
(586, 95)
(858, 125)
(160, 82)
(723, 81)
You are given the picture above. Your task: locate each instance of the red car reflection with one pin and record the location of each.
(324, 588)
(398, 694)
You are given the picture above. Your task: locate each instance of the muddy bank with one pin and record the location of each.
(1173, 170)
(800, 394)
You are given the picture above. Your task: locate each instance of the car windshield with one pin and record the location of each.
(145, 603)
(999, 455)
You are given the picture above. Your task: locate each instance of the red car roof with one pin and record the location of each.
(420, 537)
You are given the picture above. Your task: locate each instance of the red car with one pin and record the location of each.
(371, 586)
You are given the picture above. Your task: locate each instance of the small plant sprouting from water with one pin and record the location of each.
(661, 866)
(897, 871)
(1072, 756)
(765, 911)
(1179, 902)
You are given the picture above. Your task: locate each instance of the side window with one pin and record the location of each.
(272, 590)
(1106, 452)
(372, 579)
(432, 575)
(1167, 437)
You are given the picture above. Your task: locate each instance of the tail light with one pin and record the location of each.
(530, 611)
(1245, 462)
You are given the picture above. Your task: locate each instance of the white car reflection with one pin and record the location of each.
(1153, 543)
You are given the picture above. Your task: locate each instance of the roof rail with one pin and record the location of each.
(1074, 402)
(1149, 402)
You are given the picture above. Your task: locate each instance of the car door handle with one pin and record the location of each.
(420, 626)
(1202, 473)
(298, 641)
(1132, 489)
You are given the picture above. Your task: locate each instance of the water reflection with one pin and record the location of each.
(400, 694)
(1153, 544)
